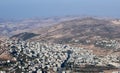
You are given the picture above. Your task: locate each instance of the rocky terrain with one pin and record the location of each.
(82, 29)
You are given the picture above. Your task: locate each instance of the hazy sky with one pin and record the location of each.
(48, 8)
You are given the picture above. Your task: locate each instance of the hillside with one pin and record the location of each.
(80, 29)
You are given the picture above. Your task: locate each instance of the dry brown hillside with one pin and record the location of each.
(85, 28)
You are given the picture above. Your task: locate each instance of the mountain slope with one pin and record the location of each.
(79, 29)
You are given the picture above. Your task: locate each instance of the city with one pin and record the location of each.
(37, 57)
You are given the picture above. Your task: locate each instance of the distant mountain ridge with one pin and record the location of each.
(12, 27)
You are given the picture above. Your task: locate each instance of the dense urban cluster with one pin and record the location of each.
(41, 57)
(111, 44)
